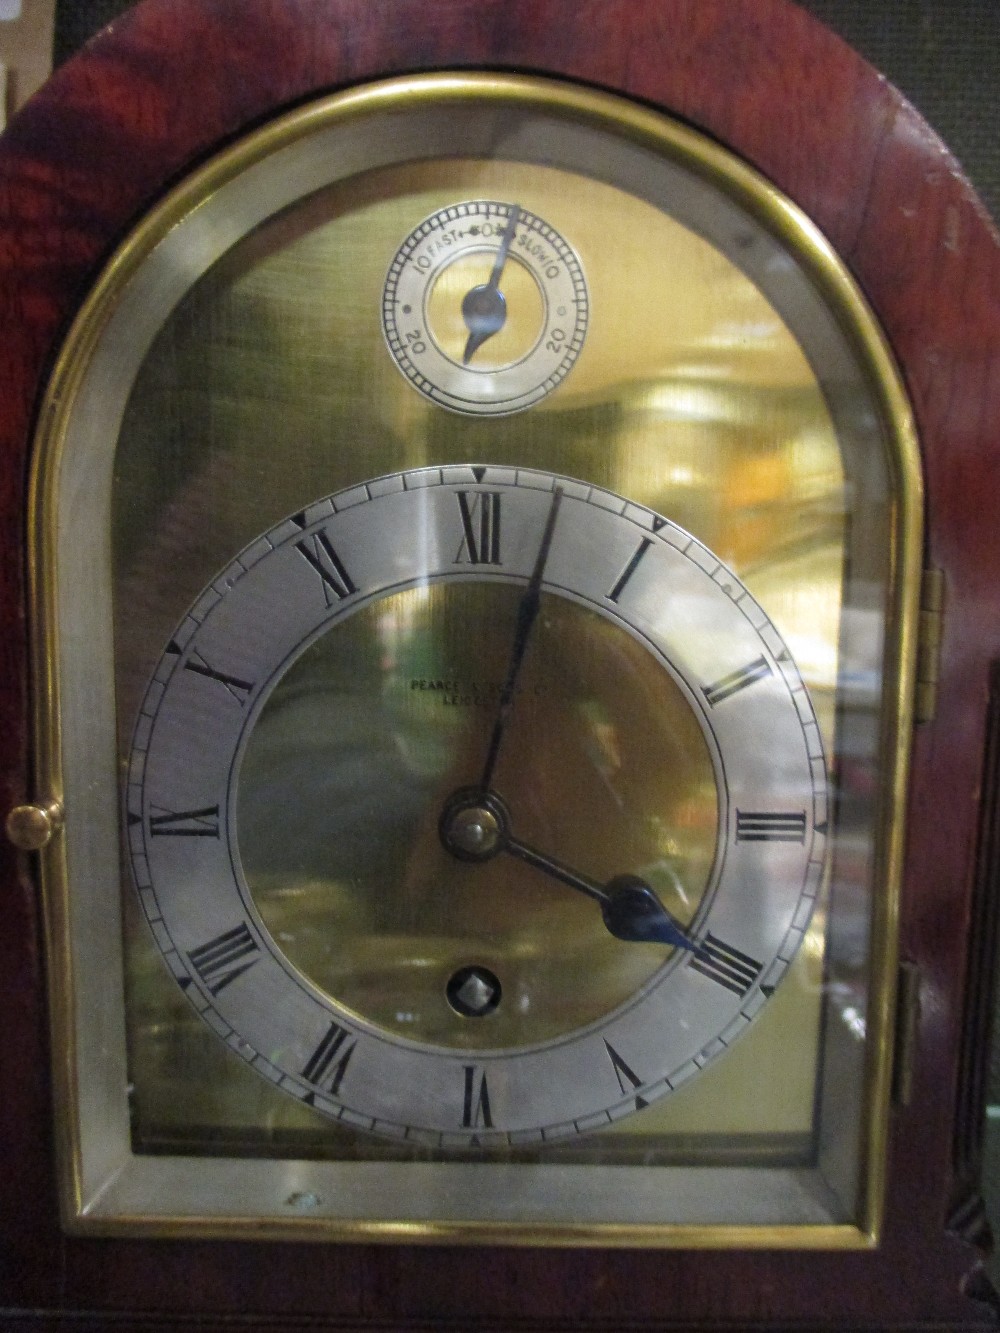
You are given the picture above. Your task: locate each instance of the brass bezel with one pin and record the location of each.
(646, 129)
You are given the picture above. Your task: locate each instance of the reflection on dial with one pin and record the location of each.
(485, 308)
(328, 694)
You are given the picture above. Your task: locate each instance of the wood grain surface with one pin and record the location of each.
(167, 85)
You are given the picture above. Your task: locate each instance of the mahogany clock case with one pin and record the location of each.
(136, 111)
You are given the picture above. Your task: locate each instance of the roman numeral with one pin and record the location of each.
(476, 1105)
(768, 826)
(726, 965)
(329, 1060)
(228, 956)
(628, 1080)
(736, 681)
(317, 550)
(239, 689)
(203, 823)
(480, 543)
(629, 569)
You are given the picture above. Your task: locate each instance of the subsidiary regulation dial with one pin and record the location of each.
(485, 308)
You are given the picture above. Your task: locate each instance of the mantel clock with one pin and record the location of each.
(501, 755)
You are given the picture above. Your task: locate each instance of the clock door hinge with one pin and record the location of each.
(907, 1020)
(929, 636)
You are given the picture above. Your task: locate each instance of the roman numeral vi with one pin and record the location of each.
(628, 1080)
(476, 1103)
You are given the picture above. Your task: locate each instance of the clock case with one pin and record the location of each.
(135, 112)
(783, 1137)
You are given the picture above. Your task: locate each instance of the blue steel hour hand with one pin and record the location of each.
(630, 908)
(475, 826)
(634, 912)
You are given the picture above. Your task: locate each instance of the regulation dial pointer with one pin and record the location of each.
(484, 307)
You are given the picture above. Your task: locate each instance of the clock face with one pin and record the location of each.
(485, 561)
(490, 943)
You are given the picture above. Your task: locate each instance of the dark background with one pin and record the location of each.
(945, 56)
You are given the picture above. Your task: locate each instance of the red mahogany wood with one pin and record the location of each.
(163, 88)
